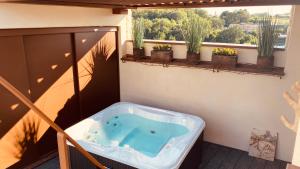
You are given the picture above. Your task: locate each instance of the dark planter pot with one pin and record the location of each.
(193, 57)
(265, 62)
(138, 52)
(224, 61)
(165, 56)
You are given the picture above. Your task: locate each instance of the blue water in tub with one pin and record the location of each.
(144, 135)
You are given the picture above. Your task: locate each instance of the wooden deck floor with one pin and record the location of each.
(220, 157)
(214, 157)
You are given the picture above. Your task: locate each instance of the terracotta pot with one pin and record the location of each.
(162, 55)
(265, 62)
(224, 61)
(193, 57)
(138, 52)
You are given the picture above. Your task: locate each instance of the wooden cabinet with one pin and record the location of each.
(69, 73)
(14, 68)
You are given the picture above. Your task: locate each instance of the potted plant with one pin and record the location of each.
(162, 53)
(266, 38)
(194, 31)
(224, 57)
(138, 38)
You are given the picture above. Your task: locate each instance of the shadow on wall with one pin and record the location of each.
(27, 138)
(99, 89)
(99, 76)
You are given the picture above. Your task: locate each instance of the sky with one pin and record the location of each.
(252, 10)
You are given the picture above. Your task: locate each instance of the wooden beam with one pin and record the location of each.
(35, 109)
(159, 3)
(63, 151)
(122, 11)
(57, 30)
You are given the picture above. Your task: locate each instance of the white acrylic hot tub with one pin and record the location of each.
(171, 154)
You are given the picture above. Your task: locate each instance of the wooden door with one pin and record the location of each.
(49, 59)
(13, 68)
(98, 70)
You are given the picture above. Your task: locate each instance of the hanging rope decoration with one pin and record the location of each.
(295, 104)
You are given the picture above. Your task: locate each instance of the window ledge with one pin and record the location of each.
(241, 68)
(206, 44)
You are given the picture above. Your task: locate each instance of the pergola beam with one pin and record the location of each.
(117, 4)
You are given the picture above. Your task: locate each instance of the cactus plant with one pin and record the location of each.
(266, 39)
(194, 30)
(138, 33)
(138, 38)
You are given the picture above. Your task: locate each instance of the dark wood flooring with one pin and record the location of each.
(219, 157)
(214, 157)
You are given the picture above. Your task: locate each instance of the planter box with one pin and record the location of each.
(265, 62)
(193, 57)
(138, 52)
(165, 56)
(224, 61)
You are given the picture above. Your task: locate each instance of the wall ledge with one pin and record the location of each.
(241, 68)
(206, 44)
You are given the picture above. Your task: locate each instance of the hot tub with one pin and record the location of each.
(127, 135)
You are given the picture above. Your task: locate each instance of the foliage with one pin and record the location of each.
(162, 47)
(166, 24)
(249, 39)
(231, 35)
(202, 13)
(267, 36)
(162, 27)
(225, 51)
(194, 30)
(138, 33)
(235, 17)
(217, 23)
(212, 37)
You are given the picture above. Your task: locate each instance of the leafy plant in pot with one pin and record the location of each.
(224, 57)
(194, 30)
(138, 38)
(266, 38)
(163, 53)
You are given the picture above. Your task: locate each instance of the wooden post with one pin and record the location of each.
(63, 151)
(35, 109)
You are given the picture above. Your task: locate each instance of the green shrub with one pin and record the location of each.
(138, 33)
(162, 47)
(225, 51)
(267, 36)
(194, 30)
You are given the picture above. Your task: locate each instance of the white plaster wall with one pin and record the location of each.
(293, 67)
(231, 104)
(28, 16)
(296, 154)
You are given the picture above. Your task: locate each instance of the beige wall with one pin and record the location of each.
(33, 16)
(293, 66)
(230, 103)
(296, 154)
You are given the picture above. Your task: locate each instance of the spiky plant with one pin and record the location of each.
(194, 30)
(267, 36)
(138, 33)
